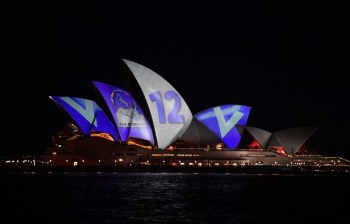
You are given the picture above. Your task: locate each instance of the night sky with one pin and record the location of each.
(287, 60)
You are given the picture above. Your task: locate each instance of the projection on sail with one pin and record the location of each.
(127, 114)
(222, 121)
(170, 113)
(87, 115)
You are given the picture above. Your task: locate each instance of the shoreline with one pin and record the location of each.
(168, 169)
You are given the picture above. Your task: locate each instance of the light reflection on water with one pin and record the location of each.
(165, 197)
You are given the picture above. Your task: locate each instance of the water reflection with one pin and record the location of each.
(166, 197)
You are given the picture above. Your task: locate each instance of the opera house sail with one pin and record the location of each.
(170, 114)
(87, 115)
(222, 120)
(127, 114)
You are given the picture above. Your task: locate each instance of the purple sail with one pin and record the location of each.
(127, 114)
(87, 115)
(222, 121)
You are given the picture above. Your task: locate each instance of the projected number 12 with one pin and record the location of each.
(173, 116)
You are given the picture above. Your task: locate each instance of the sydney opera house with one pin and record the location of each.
(145, 121)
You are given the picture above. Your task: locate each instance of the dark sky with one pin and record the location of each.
(287, 60)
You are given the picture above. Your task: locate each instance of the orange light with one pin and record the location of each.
(102, 135)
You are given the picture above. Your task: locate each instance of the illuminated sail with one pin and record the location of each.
(222, 121)
(127, 114)
(170, 113)
(86, 114)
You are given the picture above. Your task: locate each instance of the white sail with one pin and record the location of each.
(169, 111)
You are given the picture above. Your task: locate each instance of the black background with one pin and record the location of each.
(287, 60)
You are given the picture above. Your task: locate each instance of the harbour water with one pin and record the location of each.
(111, 197)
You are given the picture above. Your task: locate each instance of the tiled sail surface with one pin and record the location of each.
(86, 114)
(222, 120)
(127, 114)
(169, 111)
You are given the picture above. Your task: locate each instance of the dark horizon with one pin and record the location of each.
(287, 61)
